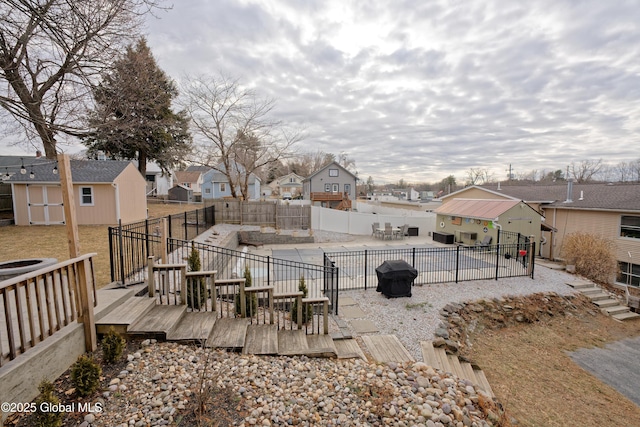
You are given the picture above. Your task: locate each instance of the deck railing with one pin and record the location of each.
(35, 305)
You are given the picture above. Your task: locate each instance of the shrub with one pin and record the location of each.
(112, 346)
(307, 313)
(47, 398)
(593, 256)
(196, 287)
(251, 300)
(85, 375)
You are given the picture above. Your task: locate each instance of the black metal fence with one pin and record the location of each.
(283, 275)
(130, 245)
(436, 265)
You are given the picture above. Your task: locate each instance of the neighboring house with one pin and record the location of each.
(158, 182)
(608, 210)
(191, 179)
(105, 191)
(181, 193)
(474, 220)
(290, 183)
(333, 186)
(215, 185)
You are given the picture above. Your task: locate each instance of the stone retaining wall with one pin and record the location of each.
(277, 239)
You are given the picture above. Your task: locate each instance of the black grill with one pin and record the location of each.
(395, 278)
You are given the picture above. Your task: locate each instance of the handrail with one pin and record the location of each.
(39, 303)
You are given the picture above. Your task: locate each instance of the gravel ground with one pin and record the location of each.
(415, 319)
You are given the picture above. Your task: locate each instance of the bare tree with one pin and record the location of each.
(478, 176)
(586, 170)
(238, 136)
(50, 54)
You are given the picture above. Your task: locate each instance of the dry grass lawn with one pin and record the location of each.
(539, 385)
(51, 241)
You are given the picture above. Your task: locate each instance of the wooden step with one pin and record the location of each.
(618, 309)
(386, 348)
(292, 343)
(194, 326)
(429, 355)
(321, 345)
(228, 333)
(598, 297)
(349, 349)
(159, 321)
(441, 355)
(483, 384)
(261, 339)
(454, 362)
(124, 315)
(626, 316)
(468, 373)
(603, 303)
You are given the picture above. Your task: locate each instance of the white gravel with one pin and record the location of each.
(416, 319)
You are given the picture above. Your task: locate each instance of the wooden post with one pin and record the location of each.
(183, 286)
(150, 277)
(325, 320)
(85, 315)
(243, 300)
(163, 246)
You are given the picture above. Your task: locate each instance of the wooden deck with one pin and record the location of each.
(125, 314)
(159, 321)
(386, 349)
(229, 334)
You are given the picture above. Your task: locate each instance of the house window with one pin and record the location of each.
(86, 196)
(630, 226)
(347, 188)
(223, 187)
(186, 184)
(336, 188)
(292, 179)
(207, 191)
(327, 188)
(333, 172)
(629, 274)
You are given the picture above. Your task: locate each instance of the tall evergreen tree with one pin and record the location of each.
(133, 118)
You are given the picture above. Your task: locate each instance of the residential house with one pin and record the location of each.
(216, 185)
(608, 210)
(473, 221)
(181, 193)
(289, 183)
(105, 191)
(158, 181)
(332, 186)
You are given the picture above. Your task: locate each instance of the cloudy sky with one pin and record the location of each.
(421, 89)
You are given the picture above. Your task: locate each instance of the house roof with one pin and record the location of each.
(198, 168)
(215, 175)
(601, 196)
(82, 171)
(332, 164)
(485, 209)
(187, 176)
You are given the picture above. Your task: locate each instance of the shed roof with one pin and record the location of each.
(486, 209)
(82, 171)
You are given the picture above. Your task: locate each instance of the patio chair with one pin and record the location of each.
(374, 229)
(484, 243)
(388, 231)
(401, 232)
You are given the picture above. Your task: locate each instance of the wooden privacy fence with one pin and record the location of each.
(33, 306)
(265, 213)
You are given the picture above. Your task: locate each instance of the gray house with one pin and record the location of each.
(332, 187)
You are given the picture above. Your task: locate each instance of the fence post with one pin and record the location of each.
(413, 257)
(366, 256)
(531, 254)
(111, 255)
(121, 250)
(186, 229)
(457, 262)
(146, 237)
(268, 271)
(498, 255)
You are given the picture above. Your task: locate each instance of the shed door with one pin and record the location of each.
(45, 204)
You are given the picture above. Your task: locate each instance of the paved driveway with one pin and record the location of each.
(616, 365)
